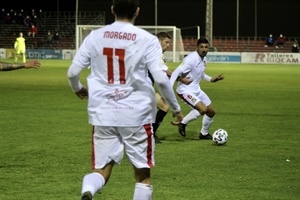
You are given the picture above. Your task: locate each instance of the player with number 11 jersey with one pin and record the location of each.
(118, 83)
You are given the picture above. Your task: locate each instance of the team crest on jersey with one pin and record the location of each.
(118, 94)
(191, 98)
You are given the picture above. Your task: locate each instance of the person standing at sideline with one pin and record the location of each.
(20, 48)
(120, 97)
(163, 108)
(14, 66)
(193, 67)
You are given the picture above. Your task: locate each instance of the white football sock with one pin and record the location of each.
(193, 114)
(142, 191)
(206, 122)
(92, 182)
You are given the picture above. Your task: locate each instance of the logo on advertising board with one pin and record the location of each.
(44, 54)
(271, 58)
(276, 58)
(2, 53)
(68, 54)
(224, 57)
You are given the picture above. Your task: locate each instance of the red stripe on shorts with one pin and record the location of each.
(183, 99)
(93, 152)
(148, 129)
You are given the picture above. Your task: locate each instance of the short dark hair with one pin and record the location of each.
(162, 35)
(125, 8)
(202, 40)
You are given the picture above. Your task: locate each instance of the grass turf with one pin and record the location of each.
(45, 139)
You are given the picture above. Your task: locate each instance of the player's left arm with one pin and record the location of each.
(217, 78)
(213, 79)
(185, 80)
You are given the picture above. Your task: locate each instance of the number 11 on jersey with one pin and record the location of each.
(110, 52)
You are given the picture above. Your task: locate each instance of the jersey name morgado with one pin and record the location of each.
(119, 35)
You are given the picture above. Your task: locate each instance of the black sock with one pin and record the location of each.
(160, 115)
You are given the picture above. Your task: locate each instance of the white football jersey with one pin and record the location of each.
(164, 66)
(120, 55)
(194, 67)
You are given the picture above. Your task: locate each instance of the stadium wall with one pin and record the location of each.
(214, 57)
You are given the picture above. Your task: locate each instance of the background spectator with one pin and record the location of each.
(49, 38)
(34, 19)
(280, 41)
(269, 41)
(2, 15)
(32, 31)
(295, 47)
(7, 19)
(27, 21)
(56, 38)
(20, 19)
(14, 17)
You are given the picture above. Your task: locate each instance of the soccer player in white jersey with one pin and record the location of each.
(193, 67)
(163, 108)
(121, 100)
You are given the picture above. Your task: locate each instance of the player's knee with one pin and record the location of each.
(211, 113)
(202, 110)
(201, 107)
(165, 108)
(142, 175)
(162, 105)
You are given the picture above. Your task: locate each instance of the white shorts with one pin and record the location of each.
(109, 144)
(192, 98)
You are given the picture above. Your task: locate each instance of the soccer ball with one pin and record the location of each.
(220, 137)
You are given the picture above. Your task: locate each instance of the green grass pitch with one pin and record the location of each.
(45, 139)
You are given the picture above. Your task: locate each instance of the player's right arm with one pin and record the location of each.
(184, 68)
(16, 44)
(74, 81)
(80, 62)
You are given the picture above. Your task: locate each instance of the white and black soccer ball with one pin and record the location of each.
(220, 137)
